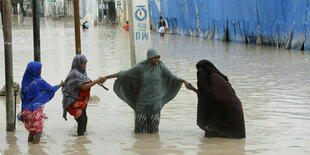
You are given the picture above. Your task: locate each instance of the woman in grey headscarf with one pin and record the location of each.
(77, 92)
(146, 88)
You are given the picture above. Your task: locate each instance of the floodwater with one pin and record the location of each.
(273, 85)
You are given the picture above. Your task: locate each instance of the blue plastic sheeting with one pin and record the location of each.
(204, 16)
(283, 23)
(169, 15)
(307, 30)
(154, 13)
(180, 15)
(267, 21)
(299, 19)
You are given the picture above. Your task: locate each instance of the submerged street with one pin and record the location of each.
(272, 84)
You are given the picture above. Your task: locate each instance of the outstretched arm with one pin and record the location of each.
(184, 81)
(191, 87)
(115, 75)
(62, 83)
(86, 86)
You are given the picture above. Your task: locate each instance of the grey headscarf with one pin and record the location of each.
(74, 79)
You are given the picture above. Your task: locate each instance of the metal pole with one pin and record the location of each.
(77, 27)
(7, 37)
(36, 29)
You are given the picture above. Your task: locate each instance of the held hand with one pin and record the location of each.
(101, 80)
(185, 82)
(104, 78)
(189, 86)
(62, 83)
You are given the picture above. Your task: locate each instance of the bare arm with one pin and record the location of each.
(62, 83)
(184, 81)
(86, 86)
(191, 87)
(115, 75)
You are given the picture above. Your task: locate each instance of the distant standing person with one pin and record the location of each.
(77, 92)
(127, 26)
(146, 88)
(161, 26)
(35, 92)
(219, 110)
(85, 25)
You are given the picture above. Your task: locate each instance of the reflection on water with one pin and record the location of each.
(232, 146)
(273, 85)
(77, 146)
(36, 149)
(11, 144)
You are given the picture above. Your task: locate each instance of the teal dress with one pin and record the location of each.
(147, 87)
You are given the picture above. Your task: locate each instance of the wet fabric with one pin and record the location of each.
(146, 87)
(76, 108)
(74, 79)
(33, 120)
(218, 106)
(162, 23)
(161, 29)
(147, 123)
(127, 27)
(35, 91)
(208, 67)
(82, 122)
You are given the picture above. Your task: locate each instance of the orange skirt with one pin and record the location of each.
(76, 108)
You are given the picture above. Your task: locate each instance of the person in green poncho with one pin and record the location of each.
(146, 88)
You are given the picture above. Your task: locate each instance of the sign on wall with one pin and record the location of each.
(140, 36)
(118, 4)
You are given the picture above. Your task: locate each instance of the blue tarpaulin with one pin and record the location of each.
(283, 23)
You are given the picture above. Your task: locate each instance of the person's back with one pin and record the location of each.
(162, 23)
(86, 25)
(127, 26)
(83, 26)
(219, 110)
(161, 26)
(35, 92)
(226, 115)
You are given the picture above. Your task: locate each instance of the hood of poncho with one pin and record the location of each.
(151, 53)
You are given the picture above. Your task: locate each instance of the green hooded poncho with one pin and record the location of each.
(146, 87)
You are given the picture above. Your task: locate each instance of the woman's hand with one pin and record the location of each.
(115, 75)
(103, 79)
(184, 81)
(100, 80)
(191, 87)
(62, 83)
